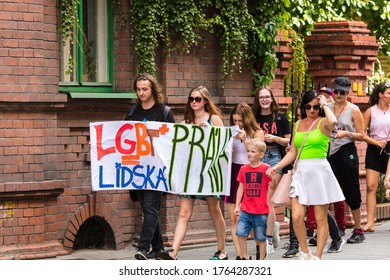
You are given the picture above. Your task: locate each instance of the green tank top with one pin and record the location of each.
(316, 144)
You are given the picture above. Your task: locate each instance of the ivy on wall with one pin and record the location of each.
(246, 31)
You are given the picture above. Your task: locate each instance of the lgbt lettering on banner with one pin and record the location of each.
(168, 157)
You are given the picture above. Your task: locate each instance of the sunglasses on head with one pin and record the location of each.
(385, 86)
(339, 92)
(308, 107)
(196, 99)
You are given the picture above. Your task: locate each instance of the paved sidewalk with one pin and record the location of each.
(375, 247)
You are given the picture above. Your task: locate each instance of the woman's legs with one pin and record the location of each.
(321, 214)
(372, 180)
(298, 215)
(185, 212)
(219, 222)
(233, 226)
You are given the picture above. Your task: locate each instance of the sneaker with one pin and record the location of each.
(342, 232)
(309, 233)
(270, 248)
(336, 245)
(357, 236)
(217, 256)
(275, 236)
(306, 256)
(313, 240)
(293, 251)
(141, 255)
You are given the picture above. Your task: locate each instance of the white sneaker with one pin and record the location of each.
(306, 256)
(270, 248)
(275, 236)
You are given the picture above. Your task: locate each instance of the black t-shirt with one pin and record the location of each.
(279, 127)
(155, 113)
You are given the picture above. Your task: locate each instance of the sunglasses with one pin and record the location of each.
(339, 92)
(196, 99)
(308, 107)
(385, 86)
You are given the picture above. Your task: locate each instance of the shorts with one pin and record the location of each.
(376, 161)
(272, 157)
(256, 221)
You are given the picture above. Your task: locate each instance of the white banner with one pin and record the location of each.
(174, 158)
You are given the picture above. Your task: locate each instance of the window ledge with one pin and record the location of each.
(123, 95)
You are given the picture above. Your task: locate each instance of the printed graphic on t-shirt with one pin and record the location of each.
(253, 184)
(270, 128)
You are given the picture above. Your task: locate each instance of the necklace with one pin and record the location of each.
(384, 111)
(342, 109)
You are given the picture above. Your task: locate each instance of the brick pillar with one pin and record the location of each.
(344, 48)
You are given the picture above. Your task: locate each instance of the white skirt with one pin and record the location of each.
(314, 183)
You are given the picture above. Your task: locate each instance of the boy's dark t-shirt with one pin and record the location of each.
(155, 113)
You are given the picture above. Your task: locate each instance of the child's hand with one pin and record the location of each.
(270, 172)
(237, 211)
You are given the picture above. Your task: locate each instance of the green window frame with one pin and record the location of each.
(87, 65)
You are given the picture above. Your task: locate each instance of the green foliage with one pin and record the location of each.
(68, 20)
(246, 29)
(376, 13)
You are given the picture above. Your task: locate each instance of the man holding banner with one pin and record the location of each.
(149, 107)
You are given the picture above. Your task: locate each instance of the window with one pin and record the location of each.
(87, 63)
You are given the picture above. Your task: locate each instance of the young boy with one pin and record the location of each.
(251, 199)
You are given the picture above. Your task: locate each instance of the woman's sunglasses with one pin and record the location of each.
(385, 86)
(197, 99)
(308, 107)
(339, 92)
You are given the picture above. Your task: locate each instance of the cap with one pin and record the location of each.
(327, 90)
(342, 84)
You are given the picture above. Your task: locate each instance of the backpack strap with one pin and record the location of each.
(166, 112)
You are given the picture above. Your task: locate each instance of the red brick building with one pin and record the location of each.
(47, 207)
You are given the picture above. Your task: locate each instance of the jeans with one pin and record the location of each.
(151, 229)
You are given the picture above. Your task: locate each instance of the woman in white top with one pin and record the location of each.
(377, 120)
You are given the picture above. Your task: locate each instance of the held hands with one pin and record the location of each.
(270, 172)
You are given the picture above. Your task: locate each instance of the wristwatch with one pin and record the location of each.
(350, 135)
